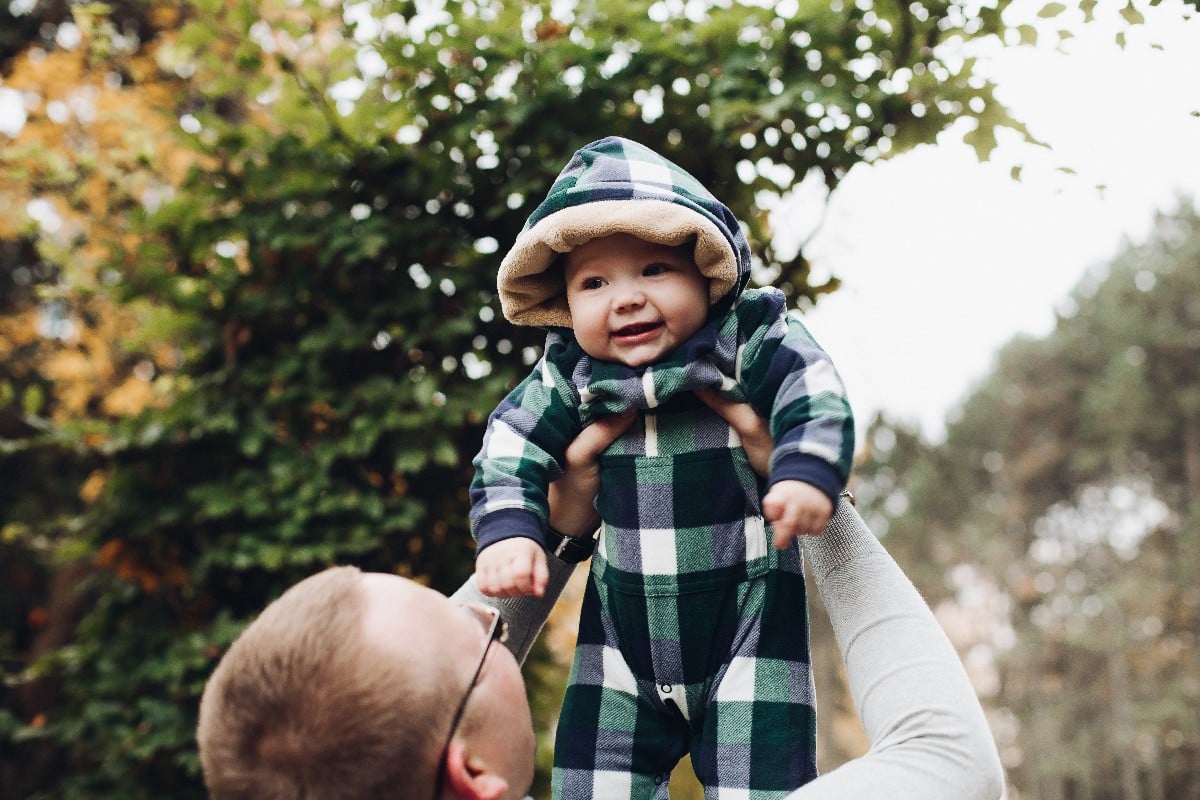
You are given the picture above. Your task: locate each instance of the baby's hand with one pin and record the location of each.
(512, 567)
(795, 508)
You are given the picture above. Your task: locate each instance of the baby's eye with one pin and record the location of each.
(591, 283)
(655, 269)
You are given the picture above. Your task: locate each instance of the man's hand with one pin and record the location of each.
(572, 497)
(795, 508)
(512, 567)
(750, 427)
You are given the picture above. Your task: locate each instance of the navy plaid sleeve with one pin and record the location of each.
(793, 384)
(523, 447)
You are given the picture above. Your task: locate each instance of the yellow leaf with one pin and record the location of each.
(92, 487)
(128, 399)
(73, 376)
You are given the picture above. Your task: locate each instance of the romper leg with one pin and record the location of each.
(758, 738)
(613, 742)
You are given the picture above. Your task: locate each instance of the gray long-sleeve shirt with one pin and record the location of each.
(929, 738)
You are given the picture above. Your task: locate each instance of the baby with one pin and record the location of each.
(693, 634)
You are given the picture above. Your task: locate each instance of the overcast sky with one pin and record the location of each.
(944, 260)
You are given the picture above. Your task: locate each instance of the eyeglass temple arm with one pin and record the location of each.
(525, 615)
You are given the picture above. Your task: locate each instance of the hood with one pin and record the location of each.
(615, 185)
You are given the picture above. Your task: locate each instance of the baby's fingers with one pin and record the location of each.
(595, 438)
(488, 581)
(539, 575)
(788, 519)
(525, 575)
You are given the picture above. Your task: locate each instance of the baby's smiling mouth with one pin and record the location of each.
(636, 329)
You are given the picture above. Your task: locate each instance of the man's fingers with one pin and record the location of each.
(595, 438)
(750, 427)
(738, 415)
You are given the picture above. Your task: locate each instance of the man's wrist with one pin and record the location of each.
(572, 513)
(570, 549)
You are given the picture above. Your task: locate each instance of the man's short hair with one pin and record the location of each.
(300, 707)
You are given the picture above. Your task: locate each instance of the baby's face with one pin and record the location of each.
(633, 301)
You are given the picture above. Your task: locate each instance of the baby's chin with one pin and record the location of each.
(637, 361)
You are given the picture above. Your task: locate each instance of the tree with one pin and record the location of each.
(299, 208)
(1065, 492)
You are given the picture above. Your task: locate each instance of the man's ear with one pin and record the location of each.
(469, 778)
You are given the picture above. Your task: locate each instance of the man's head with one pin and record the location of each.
(633, 301)
(347, 686)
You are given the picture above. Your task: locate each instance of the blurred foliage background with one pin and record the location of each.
(248, 328)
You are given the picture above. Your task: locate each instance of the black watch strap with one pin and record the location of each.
(568, 548)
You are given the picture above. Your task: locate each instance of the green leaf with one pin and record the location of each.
(982, 140)
(33, 399)
(1131, 15)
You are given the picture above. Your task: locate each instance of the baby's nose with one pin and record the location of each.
(630, 297)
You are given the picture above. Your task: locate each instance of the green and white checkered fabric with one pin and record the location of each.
(685, 521)
(620, 169)
(757, 353)
(693, 637)
(721, 673)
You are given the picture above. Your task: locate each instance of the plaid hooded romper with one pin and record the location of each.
(693, 635)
